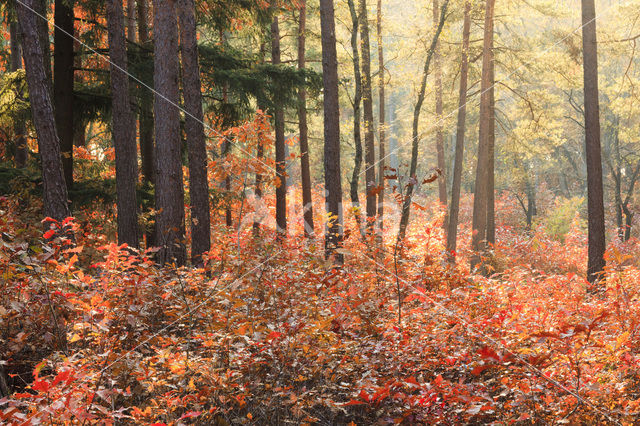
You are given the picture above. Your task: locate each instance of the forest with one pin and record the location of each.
(319, 212)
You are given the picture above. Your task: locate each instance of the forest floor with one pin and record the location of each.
(269, 334)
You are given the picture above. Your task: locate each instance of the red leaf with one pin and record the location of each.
(487, 352)
(438, 381)
(40, 385)
(50, 233)
(64, 375)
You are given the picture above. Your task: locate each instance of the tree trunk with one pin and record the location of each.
(357, 101)
(54, 188)
(258, 182)
(597, 244)
(19, 128)
(194, 129)
(415, 142)
(454, 208)
(169, 180)
(491, 215)
(145, 117)
(333, 187)
(42, 25)
(532, 209)
(123, 125)
(305, 170)
(146, 100)
(437, 68)
(481, 195)
(281, 163)
(63, 83)
(131, 20)
(367, 104)
(382, 119)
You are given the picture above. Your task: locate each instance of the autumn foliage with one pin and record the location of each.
(267, 333)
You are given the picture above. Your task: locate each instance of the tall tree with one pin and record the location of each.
(19, 128)
(452, 231)
(281, 164)
(415, 141)
(437, 68)
(54, 188)
(382, 129)
(367, 104)
(146, 98)
(357, 102)
(123, 125)
(169, 180)
(595, 196)
(194, 129)
(63, 82)
(305, 170)
(491, 193)
(333, 187)
(481, 196)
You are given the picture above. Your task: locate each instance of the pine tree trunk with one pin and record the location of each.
(19, 129)
(491, 208)
(437, 68)
(146, 100)
(305, 168)
(382, 119)
(281, 163)
(169, 180)
(481, 196)
(123, 125)
(63, 83)
(357, 102)
(415, 142)
(454, 208)
(131, 20)
(367, 104)
(54, 188)
(333, 186)
(42, 24)
(194, 129)
(597, 244)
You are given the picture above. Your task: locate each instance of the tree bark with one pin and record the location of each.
(491, 207)
(357, 102)
(454, 208)
(281, 164)
(123, 125)
(19, 128)
(597, 244)
(382, 129)
(131, 20)
(367, 104)
(333, 187)
(146, 100)
(437, 68)
(42, 26)
(63, 83)
(54, 188)
(305, 169)
(169, 180)
(194, 129)
(415, 142)
(481, 195)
